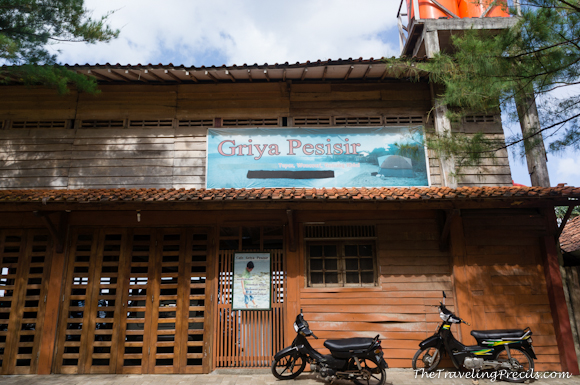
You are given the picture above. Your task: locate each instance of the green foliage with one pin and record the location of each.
(487, 70)
(29, 27)
(561, 211)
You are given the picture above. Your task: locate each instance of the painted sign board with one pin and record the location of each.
(252, 283)
(321, 157)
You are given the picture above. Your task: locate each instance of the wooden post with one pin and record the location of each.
(293, 279)
(56, 280)
(461, 282)
(442, 122)
(558, 305)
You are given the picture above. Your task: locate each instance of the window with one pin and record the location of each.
(342, 264)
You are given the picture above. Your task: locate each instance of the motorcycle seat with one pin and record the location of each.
(498, 334)
(347, 344)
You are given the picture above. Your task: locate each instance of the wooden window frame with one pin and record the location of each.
(341, 263)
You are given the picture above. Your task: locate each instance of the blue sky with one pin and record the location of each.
(194, 32)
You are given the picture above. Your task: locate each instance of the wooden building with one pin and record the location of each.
(115, 258)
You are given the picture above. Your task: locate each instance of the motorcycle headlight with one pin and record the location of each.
(295, 327)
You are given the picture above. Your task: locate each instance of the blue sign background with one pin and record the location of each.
(304, 157)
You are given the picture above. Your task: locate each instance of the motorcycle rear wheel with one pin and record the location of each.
(426, 359)
(523, 359)
(288, 366)
(377, 375)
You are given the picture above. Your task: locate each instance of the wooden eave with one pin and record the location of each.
(297, 204)
(341, 70)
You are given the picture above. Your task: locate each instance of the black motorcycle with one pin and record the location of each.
(508, 351)
(357, 359)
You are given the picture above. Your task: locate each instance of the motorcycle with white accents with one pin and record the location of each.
(507, 351)
(359, 360)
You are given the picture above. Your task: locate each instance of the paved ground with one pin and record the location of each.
(394, 377)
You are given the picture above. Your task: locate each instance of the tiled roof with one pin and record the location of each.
(289, 194)
(570, 237)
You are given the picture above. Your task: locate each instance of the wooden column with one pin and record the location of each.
(460, 276)
(56, 280)
(558, 305)
(442, 123)
(293, 279)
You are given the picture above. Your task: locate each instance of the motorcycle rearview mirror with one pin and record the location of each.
(444, 296)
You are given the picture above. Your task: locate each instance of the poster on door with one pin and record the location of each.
(252, 283)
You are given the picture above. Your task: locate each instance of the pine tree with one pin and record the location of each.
(29, 27)
(490, 71)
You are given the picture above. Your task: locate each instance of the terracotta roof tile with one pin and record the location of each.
(570, 237)
(275, 194)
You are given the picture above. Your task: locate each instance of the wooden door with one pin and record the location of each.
(165, 326)
(134, 302)
(24, 269)
(91, 306)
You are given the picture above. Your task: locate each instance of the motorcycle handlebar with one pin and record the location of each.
(314, 335)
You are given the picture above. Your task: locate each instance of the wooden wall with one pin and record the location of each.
(505, 276)
(103, 158)
(171, 154)
(413, 272)
(505, 288)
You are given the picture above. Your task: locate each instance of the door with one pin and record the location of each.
(24, 269)
(135, 302)
(165, 324)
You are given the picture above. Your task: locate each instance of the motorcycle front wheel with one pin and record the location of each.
(288, 366)
(521, 360)
(373, 374)
(426, 359)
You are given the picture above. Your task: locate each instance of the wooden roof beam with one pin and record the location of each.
(324, 72)
(284, 75)
(155, 76)
(250, 75)
(564, 221)
(231, 76)
(139, 78)
(188, 73)
(209, 75)
(348, 72)
(367, 71)
(100, 76)
(173, 76)
(266, 75)
(384, 73)
(444, 240)
(304, 73)
(119, 75)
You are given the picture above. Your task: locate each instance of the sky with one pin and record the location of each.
(196, 33)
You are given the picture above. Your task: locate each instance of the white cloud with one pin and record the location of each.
(242, 31)
(565, 170)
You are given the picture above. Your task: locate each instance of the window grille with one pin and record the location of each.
(339, 232)
(102, 124)
(49, 124)
(321, 121)
(161, 123)
(480, 119)
(269, 122)
(196, 123)
(358, 121)
(403, 120)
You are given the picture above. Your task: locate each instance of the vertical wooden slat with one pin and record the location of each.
(55, 286)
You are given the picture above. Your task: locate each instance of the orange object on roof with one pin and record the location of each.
(475, 8)
(428, 9)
